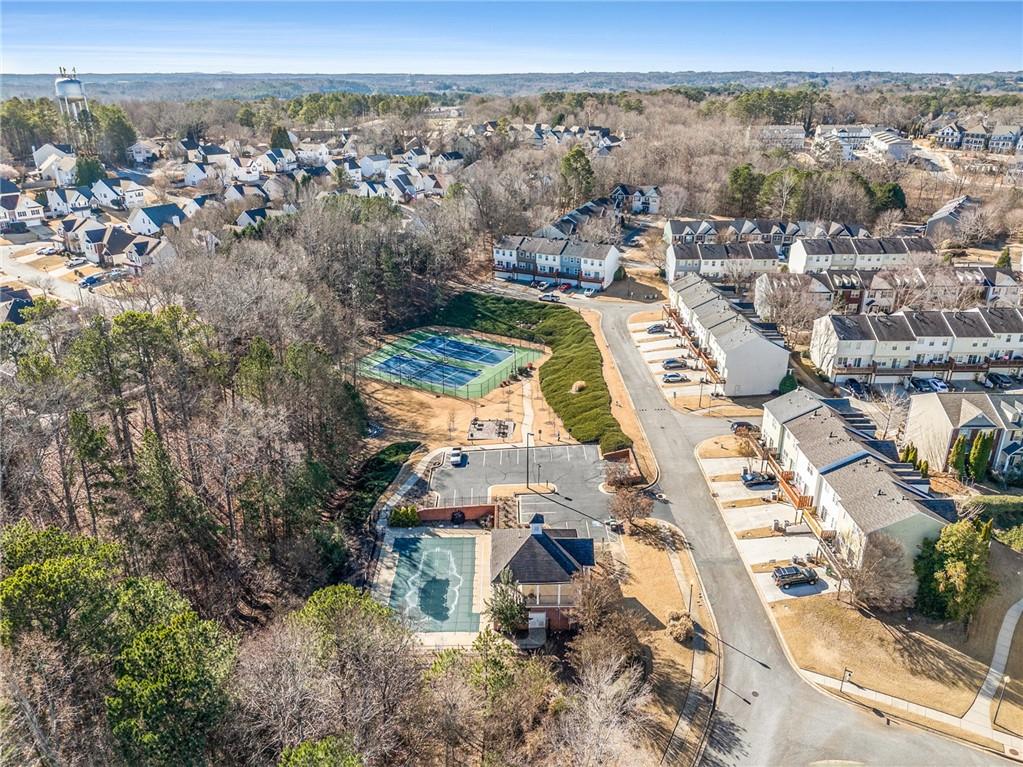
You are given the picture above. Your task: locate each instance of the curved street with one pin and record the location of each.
(767, 714)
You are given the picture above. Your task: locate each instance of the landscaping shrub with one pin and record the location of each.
(574, 357)
(788, 383)
(404, 516)
(681, 627)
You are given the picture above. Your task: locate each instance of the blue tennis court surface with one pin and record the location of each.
(430, 371)
(462, 350)
(433, 582)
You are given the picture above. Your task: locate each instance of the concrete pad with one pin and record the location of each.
(715, 466)
(780, 548)
(662, 353)
(753, 517)
(736, 491)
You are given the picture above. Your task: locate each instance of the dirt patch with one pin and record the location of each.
(723, 447)
(715, 407)
(507, 491)
(885, 654)
(946, 484)
(621, 403)
(743, 503)
(767, 567)
(646, 317)
(759, 532)
(638, 286)
(726, 477)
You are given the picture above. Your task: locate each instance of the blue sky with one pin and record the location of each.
(490, 37)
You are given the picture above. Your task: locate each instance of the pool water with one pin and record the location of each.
(433, 583)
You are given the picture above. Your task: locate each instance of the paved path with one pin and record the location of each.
(767, 713)
(979, 714)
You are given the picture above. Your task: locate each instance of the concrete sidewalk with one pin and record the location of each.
(897, 705)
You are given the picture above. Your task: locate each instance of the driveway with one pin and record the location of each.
(767, 714)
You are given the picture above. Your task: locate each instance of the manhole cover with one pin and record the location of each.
(755, 694)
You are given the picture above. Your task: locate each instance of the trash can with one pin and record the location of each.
(457, 517)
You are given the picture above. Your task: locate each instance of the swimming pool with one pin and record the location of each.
(433, 583)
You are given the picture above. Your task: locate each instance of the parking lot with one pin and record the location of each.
(575, 471)
(754, 512)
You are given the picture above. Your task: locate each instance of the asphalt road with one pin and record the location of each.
(767, 714)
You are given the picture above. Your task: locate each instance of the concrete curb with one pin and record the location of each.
(718, 655)
(788, 654)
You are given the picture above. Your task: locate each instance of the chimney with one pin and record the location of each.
(536, 525)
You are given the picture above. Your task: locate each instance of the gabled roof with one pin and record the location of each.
(162, 215)
(553, 556)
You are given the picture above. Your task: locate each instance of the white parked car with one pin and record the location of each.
(455, 456)
(589, 292)
(77, 261)
(937, 385)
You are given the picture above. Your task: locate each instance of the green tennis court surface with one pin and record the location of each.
(433, 583)
(448, 363)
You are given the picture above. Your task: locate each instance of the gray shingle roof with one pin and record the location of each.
(539, 558)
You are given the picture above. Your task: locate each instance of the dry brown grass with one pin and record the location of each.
(652, 592)
(720, 447)
(726, 478)
(743, 503)
(759, 532)
(888, 655)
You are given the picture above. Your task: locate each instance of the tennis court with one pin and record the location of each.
(448, 362)
(433, 583)
(424, 370)
(460, 350)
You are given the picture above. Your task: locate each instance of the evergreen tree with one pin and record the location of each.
(980, 454)
(576, 176)
(279, 138)
(1004, 260)
(957, 456)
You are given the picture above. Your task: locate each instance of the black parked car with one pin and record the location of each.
(753, 479)
(919, 384)
(856, 388)
(736, 425)
(787, 577)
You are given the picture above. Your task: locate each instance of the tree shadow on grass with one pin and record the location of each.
(660, 537)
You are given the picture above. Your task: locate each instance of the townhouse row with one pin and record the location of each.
(950, 345)
(849, 483)
(752, 257)
(573, 261)
(744, 356)
(857, 291)
(975, 136)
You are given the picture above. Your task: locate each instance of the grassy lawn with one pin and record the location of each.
(574, 357)
(827, 636)
(931, 663)
(1010, 712)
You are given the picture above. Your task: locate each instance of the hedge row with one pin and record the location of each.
(574, 357)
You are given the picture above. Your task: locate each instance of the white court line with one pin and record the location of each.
(485, 457)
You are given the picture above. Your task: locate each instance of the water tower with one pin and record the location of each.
(70, 95)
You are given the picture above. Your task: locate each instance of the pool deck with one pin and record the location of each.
(388, 563)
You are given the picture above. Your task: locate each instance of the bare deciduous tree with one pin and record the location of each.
(884, 578)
